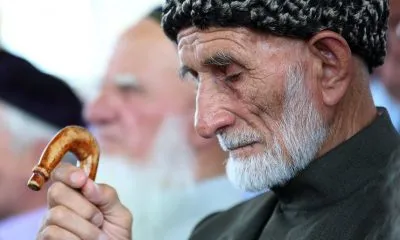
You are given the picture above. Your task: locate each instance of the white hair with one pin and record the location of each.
(303, 132)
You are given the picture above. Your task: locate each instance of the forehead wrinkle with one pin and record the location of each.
(238, 30)
(199, 42)
(201, 55)
(197, 37)
(241, 43)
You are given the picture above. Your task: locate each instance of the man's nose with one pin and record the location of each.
(212, 109)
(100, 111)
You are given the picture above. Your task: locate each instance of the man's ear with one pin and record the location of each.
(335, 57)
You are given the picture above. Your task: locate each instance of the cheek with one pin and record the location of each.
(264, 96)
(315, 95)
(140, 131)
(141, 117)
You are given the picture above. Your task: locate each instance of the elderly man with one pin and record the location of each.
(284, 85)
(143, 118)
(33, 107)
(386, 85)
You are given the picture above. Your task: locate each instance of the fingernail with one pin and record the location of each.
(76, 177)
(97, 219)
(103, 236)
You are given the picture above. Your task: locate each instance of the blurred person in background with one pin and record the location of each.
(385, 85)
(33, 107)
(143, 118)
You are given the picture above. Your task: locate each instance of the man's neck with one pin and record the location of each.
(355, 112)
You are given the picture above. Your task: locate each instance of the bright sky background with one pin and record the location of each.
(68, 38)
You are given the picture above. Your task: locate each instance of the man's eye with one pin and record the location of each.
(191, 77)
(232, 73)
(233, 77)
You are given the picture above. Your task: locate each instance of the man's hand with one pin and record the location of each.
(82, 209)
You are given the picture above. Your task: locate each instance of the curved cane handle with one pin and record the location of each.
(75, 139)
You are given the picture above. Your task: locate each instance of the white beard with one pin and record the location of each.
(154, 192)
(303, 132)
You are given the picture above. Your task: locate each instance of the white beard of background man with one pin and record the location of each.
(162, 192)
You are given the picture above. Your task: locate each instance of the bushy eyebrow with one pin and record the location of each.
(219, 59)
(125, 79)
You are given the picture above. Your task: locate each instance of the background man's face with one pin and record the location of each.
(141, 87)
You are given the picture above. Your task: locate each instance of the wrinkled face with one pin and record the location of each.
(255, 92)
(391, 69)
(141, 87)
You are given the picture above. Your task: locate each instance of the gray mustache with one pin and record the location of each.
(238, 138)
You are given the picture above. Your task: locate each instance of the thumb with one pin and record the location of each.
(106, 199)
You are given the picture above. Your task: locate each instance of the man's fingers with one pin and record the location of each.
(68, 179)
(70, 221)
(99, 194)
(69, 175)
(106, 199)
(61, 194)
(56, 233)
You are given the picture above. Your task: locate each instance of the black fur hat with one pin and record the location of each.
(363, 23)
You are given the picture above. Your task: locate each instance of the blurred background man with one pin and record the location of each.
(33, 107)
(143, 118)
(386, 84)
(385, 88)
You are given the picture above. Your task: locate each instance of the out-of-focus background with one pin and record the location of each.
(70, 39)
(105, 65)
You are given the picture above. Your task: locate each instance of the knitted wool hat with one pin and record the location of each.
(363, 23)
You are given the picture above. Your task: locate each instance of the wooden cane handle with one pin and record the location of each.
(75, 139)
